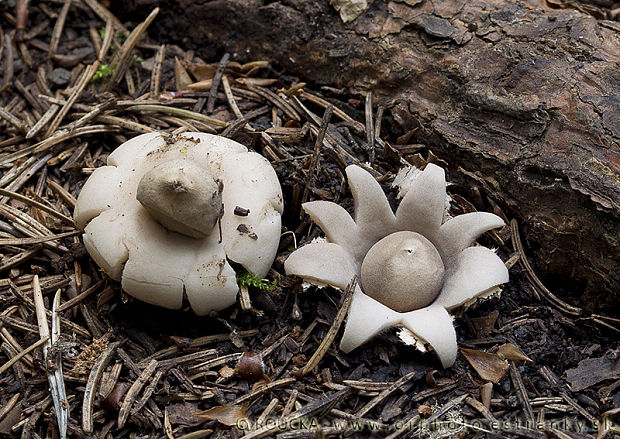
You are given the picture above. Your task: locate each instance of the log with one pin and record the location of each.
(521, 102)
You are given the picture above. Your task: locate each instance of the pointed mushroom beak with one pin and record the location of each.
(182, 196)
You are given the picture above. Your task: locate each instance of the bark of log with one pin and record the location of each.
(520, 101)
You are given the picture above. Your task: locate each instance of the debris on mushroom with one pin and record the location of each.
(150, 218)
(414, 266)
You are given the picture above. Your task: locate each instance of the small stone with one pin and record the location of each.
(59, 76)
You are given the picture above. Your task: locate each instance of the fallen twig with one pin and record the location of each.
(333, 330)
(54, 377)
(551, 298)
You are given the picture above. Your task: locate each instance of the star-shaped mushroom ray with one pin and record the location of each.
(100, 191)
(164, 265)
(473, 272)
(111, 252)
(373, 214)
(158, 261)
(421, 209)
(322, 262)
(135, 149)
(460, 232)
(260, 229)
(211, 285)
(434, 326)
(338, 226)
(152, 281)
(374, 218)
(431, 324)
(366, 318)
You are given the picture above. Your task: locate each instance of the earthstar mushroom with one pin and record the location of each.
(413, 268)
(150, 218)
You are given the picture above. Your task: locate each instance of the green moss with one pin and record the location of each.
(248, 279)
(103, 71)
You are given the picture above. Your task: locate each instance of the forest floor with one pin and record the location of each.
(74, 84)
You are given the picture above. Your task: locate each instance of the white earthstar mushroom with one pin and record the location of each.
(149, 218)
(412, 269)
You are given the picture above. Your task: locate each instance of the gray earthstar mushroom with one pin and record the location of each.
(166, 245)
(413, 267)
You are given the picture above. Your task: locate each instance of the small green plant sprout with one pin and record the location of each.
(103, 71)
(245, 278)
(118, 38)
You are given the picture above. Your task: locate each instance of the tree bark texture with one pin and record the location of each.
(522, 102)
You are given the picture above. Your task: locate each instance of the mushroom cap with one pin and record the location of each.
(403, 271)
(182, 196)
(160, 266)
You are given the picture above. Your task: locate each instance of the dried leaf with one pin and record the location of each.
(594, 370)
(511, 352)
(204, 85)
(229, 415)
(200, 71)
(226, 372)
(11, 418)
(490, 367)
(181, 77)
(484, 325)
(260, 82)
